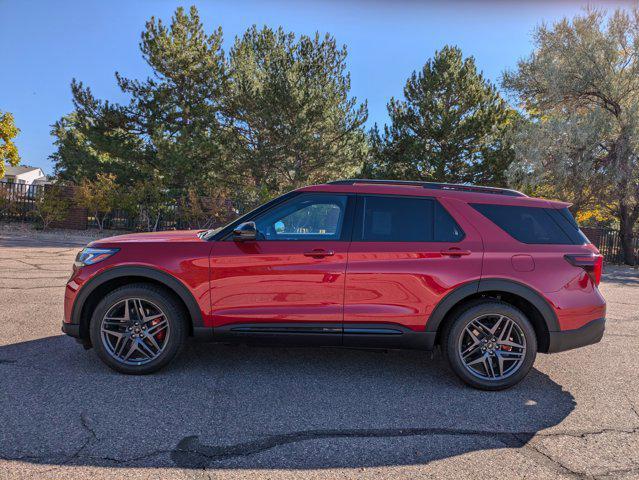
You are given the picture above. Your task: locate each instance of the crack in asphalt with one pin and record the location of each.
(614, 473)
(37, 266)
(190, 453)
(540, 457)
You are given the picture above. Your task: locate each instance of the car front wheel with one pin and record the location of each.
(490, 345)
(138, 328)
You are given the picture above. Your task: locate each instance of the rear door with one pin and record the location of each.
(407, 253)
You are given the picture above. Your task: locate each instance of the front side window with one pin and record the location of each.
(307, 217)
(405, 219)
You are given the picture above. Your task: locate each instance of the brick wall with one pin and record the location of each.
(77, 216)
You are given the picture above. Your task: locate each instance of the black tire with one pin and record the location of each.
(169, 306)
(452, 344)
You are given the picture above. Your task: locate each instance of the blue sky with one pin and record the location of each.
(46, 44)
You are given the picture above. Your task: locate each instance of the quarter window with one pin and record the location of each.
(532, 225)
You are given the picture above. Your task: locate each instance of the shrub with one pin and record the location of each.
(98, 196)
(50, 205)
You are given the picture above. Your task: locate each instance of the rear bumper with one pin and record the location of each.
(590, 333)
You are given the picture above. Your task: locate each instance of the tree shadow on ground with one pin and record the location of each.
(260, 408)
(620, 275)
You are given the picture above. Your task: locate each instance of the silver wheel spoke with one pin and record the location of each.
(498, 324)
(153, 317)
(506, 330)
(508, 343)
(474, 346)
(132, 349)
(157, 328)
(119, 346)
(500, 364)
(139, 309)
(488, 363)
(144, 348)
(511, 355)
(481, 327)
(153, 342)
(481, 360)
(127, 312)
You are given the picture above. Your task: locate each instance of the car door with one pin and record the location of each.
(290, 280)
(407, 253)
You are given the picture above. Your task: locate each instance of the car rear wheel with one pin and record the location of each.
(138, 328)
(491, 345)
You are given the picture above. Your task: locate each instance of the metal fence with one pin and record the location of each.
(169, 219)
(17, 201)
(608, 241)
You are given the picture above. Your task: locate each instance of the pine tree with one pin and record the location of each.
(293, 122)
(451, 126)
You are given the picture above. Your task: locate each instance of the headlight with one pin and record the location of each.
(89, 256)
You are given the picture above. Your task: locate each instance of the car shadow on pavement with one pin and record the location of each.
(223, 406)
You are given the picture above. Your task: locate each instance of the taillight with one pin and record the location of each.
(591, 263)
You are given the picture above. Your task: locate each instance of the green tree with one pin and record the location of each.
(99, 196)
(8, 149)
(148, 200)
(580, 88)
(51, 204)
(206, 211)
(170, 129)
(451, 126)
(291, 119)
(77, 158)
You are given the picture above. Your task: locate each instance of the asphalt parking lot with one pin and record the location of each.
(235, 412)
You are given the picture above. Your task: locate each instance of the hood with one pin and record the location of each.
(152, 237)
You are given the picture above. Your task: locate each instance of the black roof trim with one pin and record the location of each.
(433, 185)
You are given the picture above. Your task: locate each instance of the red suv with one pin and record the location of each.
(490, 275)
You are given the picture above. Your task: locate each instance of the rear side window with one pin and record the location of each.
(404, 219)
(533, 225)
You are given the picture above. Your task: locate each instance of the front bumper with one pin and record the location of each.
(590, 333)
(71, 329)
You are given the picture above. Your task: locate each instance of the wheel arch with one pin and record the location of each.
(91, 293)
(531, 302)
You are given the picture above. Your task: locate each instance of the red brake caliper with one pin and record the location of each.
(160, 335)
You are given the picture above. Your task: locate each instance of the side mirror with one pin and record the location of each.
(245, 231)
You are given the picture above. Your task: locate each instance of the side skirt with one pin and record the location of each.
(359, 335)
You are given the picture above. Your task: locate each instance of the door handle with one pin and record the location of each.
(455, 252)
(319, 253)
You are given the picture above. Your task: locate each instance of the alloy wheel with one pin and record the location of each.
(492, 347)
(134, 331)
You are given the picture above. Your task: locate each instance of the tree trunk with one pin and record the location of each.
(627, 220)
(98, 221)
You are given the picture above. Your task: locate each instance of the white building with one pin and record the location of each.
(25, 175)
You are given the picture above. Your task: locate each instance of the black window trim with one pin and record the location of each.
(358, 218)
(226, 234)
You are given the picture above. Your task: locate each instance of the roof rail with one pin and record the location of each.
(432, 185)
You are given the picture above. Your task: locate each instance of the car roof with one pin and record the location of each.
(466, 193)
